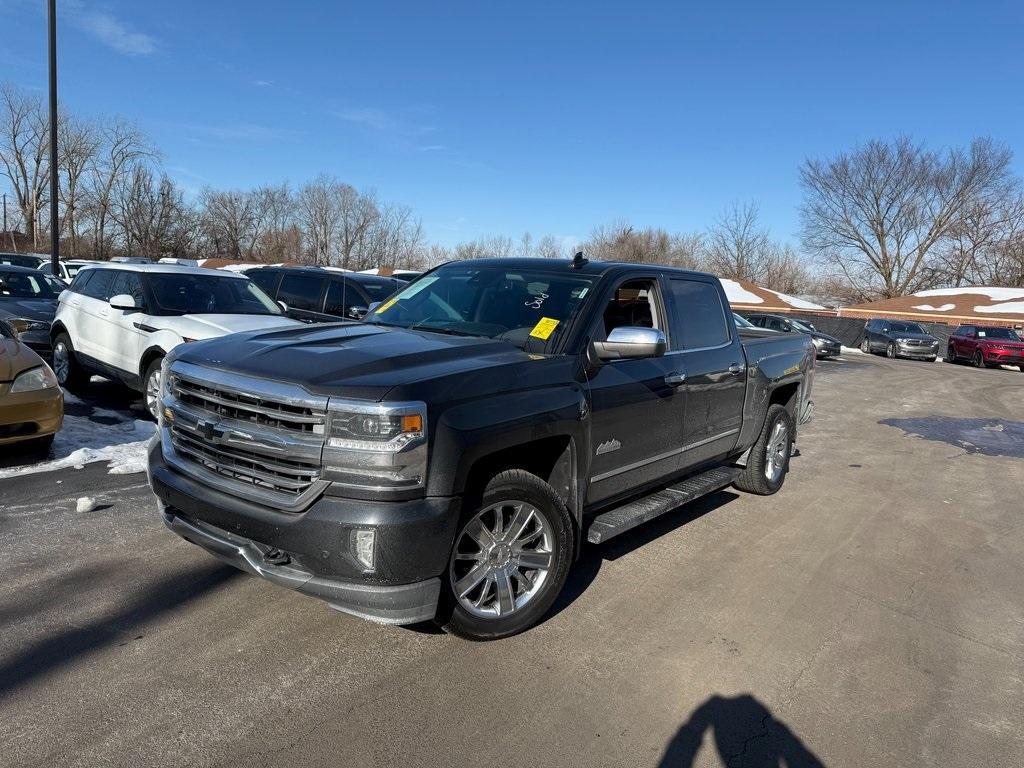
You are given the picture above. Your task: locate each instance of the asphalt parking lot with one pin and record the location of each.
(872, 613)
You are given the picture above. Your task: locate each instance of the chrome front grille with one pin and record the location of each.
(243, 406)
(256, 439)
(277, 475)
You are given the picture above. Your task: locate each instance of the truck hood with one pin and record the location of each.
(29, 309)
(352, 359)
(210, 326)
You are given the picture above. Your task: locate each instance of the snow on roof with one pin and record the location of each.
(930, 308)
(962, 304)
(994, 293)
(745, 294)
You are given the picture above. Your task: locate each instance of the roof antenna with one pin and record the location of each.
(579, 260)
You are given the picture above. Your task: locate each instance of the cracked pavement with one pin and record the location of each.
(872, 613)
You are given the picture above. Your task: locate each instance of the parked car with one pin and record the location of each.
(73, 266)
(67, 268)
(824, 345)
(131, 260)
(119, 320)
(446, 458)
(28, 301)
(313, 295)
(986, 345)
(31, 401)
(899, 338)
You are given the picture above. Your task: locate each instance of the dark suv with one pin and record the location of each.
(313, 294)
(824, 345)
(899, 338)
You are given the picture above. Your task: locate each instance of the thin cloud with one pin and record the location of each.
(242, 131)
(263, 83)
(110, 30)
(381, 121)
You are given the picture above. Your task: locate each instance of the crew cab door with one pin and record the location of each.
(636, 405)
(706, 348)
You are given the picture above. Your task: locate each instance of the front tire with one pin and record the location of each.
(151, 387)
(950, 354)
(890, 351)
(979, 360)
(768, 462)
(865, 346)
(510, 560)
(65, 365)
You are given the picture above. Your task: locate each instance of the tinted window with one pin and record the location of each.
(129, 283)
(20, 285)
(1007, 334)
(701, 317)
(301, 291)
(265, 280)
(198, 294)
(341, 297)
(81, 280)
(775, 324)
(898, 327)
(99, 286)
(21, 260)
(378, 290)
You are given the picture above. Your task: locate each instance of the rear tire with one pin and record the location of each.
(768, 462)
(517, 519)
(69, 373)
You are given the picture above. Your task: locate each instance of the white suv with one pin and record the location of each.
(119, 320)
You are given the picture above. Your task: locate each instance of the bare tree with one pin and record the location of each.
(24, 143)
(152, 215)
(78, 143)
(357, 214)
(319, 217)
(738, 246)
(549, 247)
(277, 237)
(876, 214)
(121, 145)
(621, 241)
(229, 222)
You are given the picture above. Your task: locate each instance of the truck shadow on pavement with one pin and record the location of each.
(68, 647)
(746, 734)
(589, 564)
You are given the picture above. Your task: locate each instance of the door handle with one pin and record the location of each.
(735, 369)
(675, 379)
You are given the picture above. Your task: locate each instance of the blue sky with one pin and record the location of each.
(497, 118)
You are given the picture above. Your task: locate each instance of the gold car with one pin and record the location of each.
(31, 401)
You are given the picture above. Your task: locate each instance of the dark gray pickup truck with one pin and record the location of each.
(445, 459)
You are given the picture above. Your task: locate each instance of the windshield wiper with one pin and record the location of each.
(448, 331)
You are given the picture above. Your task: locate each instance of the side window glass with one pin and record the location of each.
(701, 316)
(129, 283)
(100, 284)
(265, 280)
(301, 292)
(632, 305)
(341, 297)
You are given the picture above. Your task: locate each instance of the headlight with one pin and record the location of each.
(376, 445)
(21, 325)
(902, 341)
(34, 380)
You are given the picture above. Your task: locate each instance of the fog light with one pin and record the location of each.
(363, 543)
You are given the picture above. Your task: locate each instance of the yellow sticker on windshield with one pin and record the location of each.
(544, 328)
(385, 306)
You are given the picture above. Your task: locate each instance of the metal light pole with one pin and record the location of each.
(54, 170)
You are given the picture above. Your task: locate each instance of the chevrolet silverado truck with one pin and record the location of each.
(446, 458)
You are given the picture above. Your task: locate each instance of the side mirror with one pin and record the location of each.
(283, 306)
(630, 343)
(357, 313)
(122, 301)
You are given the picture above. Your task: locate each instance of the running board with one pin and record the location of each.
(629, 516)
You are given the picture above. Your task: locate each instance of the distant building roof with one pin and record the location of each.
(977, 304)
(743, 294)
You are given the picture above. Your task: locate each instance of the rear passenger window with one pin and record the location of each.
(700, 315)
(302, 292)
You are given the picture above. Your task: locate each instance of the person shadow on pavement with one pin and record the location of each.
(746, 735)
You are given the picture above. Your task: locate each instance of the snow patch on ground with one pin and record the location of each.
(994, 293)
(930, 308)
(82, 441)
(737, 294)
(852, 351)
(1009, 307)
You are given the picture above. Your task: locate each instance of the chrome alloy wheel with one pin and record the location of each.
(776, 452)
(61, 362)
(502, 558)
(153, 392)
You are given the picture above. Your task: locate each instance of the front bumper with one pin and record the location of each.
(1003, 358)
(917, 353)
(27, 415)
(314, 548)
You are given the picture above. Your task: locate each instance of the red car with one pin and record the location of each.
(985, 346)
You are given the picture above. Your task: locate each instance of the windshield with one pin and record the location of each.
(1007, 334)
(905, 327)
(529, 309)
(742, 322)
(19, 285)
(190, 294)
(801, 326)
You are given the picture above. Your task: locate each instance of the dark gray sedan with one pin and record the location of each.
(28, 301)
(824, 345)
